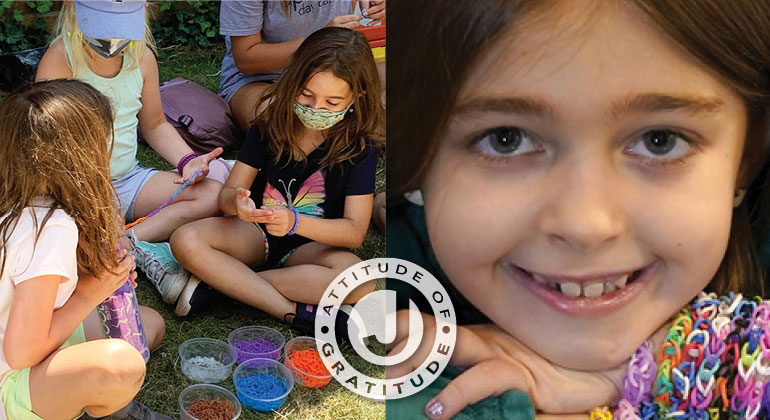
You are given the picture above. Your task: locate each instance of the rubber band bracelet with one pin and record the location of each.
(185, 160)
(296, 221)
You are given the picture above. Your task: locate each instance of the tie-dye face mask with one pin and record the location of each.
(107, 48)
(317, 118)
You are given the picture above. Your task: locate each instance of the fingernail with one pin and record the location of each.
(434, 408)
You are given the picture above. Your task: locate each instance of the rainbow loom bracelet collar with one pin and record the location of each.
(713, 364)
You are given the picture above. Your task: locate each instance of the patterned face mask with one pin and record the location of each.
(107, 48)
(318, 119)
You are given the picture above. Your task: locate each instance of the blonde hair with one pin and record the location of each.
(67, 29)
(55, 144)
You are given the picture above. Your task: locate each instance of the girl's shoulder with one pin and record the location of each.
(54, 64)
(31, 219)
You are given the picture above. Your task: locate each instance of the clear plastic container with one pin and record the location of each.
(245, 340)
(206, 360)
(304, 378)
(262, 384)
(193, 396)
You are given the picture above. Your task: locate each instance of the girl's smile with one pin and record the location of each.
(582, 190)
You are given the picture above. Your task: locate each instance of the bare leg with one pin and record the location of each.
(152, 321)
(378, 211)
(194, 202)
(102, 376)
(219, 251)
(243, 103)
(310, 270)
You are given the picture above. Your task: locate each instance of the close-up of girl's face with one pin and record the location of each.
(324, 90)
(583, 188)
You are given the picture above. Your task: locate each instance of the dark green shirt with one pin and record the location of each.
(407, 238)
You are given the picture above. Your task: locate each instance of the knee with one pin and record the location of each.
(154, 327)
(119, 367)
(186, 243)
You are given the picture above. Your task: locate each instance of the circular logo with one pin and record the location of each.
(375, 315)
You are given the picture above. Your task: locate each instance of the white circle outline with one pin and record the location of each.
(427, 284)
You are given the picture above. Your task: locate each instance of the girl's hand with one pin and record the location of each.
(245, 207)
(497, 363)
(279, 221)
(374, 10)
(96, 289)
(202, 163)
(345, 21)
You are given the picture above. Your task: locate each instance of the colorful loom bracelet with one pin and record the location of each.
(713, 364)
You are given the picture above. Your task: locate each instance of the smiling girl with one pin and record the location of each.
(596, 157)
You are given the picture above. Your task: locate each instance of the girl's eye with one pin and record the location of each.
(305, 94)
(332, 104)
(660, 145)
(506, 141)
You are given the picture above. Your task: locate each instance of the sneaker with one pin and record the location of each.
(304, 320)
(196, 296)
(161, 268)
(133, 411)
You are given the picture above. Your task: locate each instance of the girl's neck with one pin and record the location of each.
(310, 140)
(105, 67)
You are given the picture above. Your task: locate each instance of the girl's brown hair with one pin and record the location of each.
(346, 54)
(56, 138)
(732, 38)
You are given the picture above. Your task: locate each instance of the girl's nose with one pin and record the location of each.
(585, 213)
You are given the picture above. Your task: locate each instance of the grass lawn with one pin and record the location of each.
(164, 379)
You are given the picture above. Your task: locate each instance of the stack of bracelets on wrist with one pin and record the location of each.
(185, 160)
(714, 364)
(296, 221)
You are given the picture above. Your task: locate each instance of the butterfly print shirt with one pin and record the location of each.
(313, 191)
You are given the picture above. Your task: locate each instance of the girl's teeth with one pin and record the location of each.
(593, 289)
(587, 290)
(570, 289)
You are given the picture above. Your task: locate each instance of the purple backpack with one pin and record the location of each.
(201, 117)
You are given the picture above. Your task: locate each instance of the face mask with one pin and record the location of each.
(318, 119)
(107, 48)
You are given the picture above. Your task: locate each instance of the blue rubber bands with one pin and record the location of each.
(262, 392)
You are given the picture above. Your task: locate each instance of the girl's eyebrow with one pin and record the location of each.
(635, 103)
(328, 97)
(655, 102)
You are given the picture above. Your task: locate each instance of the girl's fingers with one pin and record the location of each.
(213, 154)
(491, 377)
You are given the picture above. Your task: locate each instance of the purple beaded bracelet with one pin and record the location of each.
(296, 221)
(185, 160)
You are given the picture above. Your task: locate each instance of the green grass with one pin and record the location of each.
(164, 379)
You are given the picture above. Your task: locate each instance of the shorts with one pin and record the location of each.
(278, 249)
(14, 391)
(128, 186)
(229, 91)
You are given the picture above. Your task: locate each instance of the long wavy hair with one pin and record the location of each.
(55, 144)
(731, 38)
(346, 54)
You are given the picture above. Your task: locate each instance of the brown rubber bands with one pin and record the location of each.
(215, 409)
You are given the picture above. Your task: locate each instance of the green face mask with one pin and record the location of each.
(318, 119)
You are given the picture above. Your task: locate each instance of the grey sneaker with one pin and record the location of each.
(133, 411)
(161, 268)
